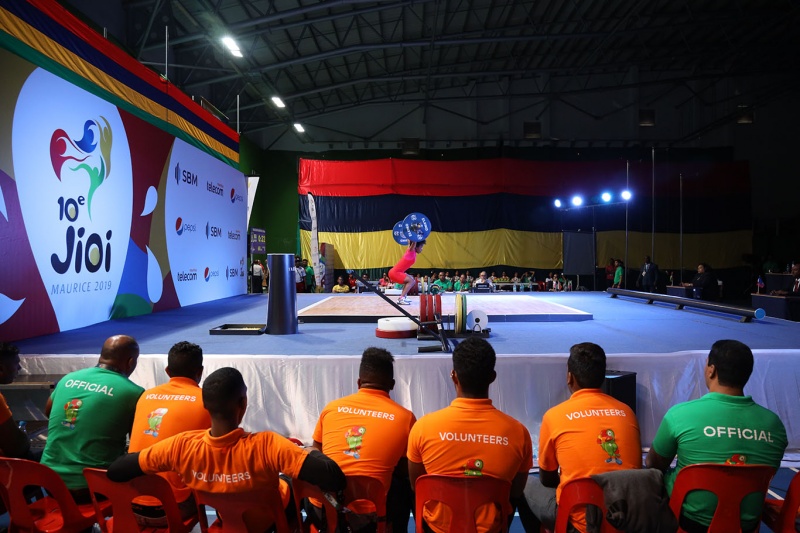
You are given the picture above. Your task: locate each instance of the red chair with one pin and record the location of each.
(581, 492)
(235, 511)
(729, 483)
(781, 515)
(303, 490)
(365, 488)
(55, 513)
(463, 495)
(122, 494)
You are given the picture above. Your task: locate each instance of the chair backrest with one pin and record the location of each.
(303, 490)
(122, 494)
(578, 493)
(56, 512)
(730, 483)
(369, 489)
(463, 495)
(789, 508)
(234, 508)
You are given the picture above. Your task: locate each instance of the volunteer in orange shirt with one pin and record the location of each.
(164, 411)
(470, 437)
(590, 433)
(366, 433)
(226, 458)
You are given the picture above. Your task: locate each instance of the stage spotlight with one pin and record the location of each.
(557, 203)
(606, 196)
(626, 195)
(577, 201)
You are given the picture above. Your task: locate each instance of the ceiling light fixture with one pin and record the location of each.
(278, 102)
(232, 46)
(299, 127)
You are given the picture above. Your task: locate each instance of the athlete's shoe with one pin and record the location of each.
(403, 301)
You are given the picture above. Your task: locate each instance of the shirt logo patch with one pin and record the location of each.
(736, 460)
(154, 421)
(354, 437)
(608, 443)
(71, 409)
(473, 467)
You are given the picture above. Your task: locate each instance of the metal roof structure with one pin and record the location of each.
(326, 57)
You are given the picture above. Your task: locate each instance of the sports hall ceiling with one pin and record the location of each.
(324, 57)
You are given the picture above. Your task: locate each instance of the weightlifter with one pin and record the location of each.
(398, 272)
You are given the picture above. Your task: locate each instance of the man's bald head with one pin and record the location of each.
(120, 352)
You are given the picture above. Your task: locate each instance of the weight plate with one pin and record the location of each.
(416, 227)
(399, 235)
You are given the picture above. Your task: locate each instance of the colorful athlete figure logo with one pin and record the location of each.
(607, 441)
(83, 154)
(473, 467)
(154, 421)
(71, 409)
(354, 437)
(736, 459)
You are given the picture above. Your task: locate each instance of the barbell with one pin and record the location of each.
(414, 228)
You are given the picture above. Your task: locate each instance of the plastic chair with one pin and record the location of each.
(581, 492)
(122, 494)
(303, 490)
(233, 507)
(463, 495)
(55, 513)
(729, 483)
(780, 515)
(369, 489)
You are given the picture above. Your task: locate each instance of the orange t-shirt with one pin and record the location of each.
(366, 433)
(164, 411)
(470, 438)
(591, 433)
(235, 462)
(5, 411)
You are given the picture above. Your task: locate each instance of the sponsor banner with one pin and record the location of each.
(205, 221)
(258, 241)
(106, 216)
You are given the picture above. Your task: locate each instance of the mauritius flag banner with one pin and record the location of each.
(500, 211)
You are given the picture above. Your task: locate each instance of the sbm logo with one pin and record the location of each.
(212, 231)
(184, 176)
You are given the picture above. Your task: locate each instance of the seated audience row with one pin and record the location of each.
(202, 446)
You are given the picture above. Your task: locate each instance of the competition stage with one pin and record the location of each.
(291, 377)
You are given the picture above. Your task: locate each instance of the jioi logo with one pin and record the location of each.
(83, 154)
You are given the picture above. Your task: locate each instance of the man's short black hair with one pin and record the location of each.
(222, 390)
(587, 364)
(377, 365)
(733, 361)
(8, 350)
(185, 359)
(473, 361)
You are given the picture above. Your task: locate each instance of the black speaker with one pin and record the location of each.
(621, 385)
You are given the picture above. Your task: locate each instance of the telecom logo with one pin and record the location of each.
(236, 197)
(184, 176)
(214, 188)
(208, 274)
(180, 227)
(191, 275)
(212, 231)
(235, 235)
